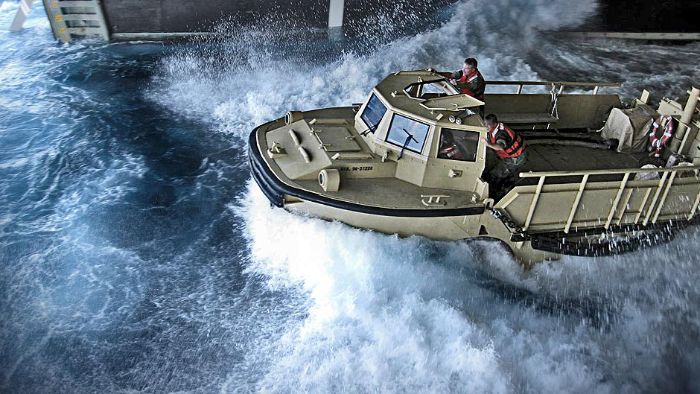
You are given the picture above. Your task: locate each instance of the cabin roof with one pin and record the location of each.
(392, 91)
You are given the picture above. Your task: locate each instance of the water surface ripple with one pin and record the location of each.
(137, 256)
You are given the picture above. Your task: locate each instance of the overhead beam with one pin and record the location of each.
(25, 7)
(335, 13)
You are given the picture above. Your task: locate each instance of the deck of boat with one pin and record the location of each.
(549, 157)
(545, 157)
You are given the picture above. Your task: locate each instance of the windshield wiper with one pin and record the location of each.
(405, 143)
(371, 129)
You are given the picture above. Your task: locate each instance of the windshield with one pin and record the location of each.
(430, 89)
(407, 133)
(373, 113)
(458, 145)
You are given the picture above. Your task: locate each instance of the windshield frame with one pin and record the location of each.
(403, 145)
(373, 127)
(417, 87)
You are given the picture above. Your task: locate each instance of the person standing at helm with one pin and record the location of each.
(509, 148)
(660, 134)
(469, 79)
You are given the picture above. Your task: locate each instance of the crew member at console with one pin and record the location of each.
(469, 80)
(509, 148)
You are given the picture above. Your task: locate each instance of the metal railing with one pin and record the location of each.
(556, 85)
(663, 187)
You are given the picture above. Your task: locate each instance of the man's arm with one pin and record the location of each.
(449, 75)
(496, 147)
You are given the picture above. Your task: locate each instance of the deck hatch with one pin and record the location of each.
(337, 139)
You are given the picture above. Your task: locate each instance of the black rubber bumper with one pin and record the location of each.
(584, 242)
(275, 190)
(270, 186)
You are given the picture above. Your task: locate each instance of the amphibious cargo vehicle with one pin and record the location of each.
(377, 165)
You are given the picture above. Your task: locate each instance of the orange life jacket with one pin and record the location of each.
(514, 142)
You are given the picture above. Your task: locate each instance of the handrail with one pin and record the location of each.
(650, 214)
(577, 201)
(606, 172)
(613, 207)
(533, 203)
(554, 84)
(557, 83)
(654, 198)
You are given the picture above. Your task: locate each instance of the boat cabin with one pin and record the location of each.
(418, 121)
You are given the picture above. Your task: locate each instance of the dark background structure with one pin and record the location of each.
(126, 16)
(647, 16)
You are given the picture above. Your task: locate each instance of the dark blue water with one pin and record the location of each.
(120, 265)
(136, 255)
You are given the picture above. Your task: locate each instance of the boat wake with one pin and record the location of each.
(411, 314)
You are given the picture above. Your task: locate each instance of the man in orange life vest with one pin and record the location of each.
(469, 80)
(660, 134)
(509, 148)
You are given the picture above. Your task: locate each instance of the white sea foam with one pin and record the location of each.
(394, 314)
(8, 6)
(36, 19)
(382, 316)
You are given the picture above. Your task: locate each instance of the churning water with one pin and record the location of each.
(137, 256)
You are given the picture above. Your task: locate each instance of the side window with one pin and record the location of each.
(458, 145)
(408, 133)
(373, 113)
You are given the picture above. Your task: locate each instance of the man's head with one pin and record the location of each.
(470, 65)
(491, 122)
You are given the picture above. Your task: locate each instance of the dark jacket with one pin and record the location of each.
(473, 85)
